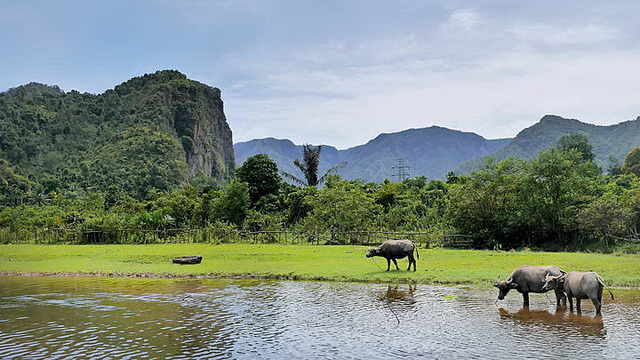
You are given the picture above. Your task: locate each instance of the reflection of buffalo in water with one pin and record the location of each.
(560, 320)
(403, 298)
(394, 294)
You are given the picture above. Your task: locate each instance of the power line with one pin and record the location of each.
(402, 170)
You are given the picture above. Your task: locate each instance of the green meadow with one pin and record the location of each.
(302, 262)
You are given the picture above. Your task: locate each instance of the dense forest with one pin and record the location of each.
(559, 200)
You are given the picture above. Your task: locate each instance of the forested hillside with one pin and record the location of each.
(152, 132)
(610, 143)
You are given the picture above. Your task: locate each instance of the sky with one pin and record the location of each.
(340, 72)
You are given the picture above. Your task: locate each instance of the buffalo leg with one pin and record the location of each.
(598, 305)
(525, 297)
(570, 303)
(561, 297)
(396, 264)
(412, 260)
(578, 310)
(389, 263)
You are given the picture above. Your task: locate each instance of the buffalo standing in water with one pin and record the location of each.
(395, 249)
(526, 279)
(579, 285)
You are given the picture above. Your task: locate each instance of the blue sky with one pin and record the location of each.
(341, 72)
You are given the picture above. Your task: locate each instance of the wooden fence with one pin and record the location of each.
(215, 235)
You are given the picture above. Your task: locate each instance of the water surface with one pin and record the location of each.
(76, 317)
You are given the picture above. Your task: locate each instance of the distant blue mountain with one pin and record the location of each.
(612, 141)
(430, 152)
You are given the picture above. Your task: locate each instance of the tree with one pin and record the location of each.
(606, 217)
(309, 167)
(233, 204)
(261, 175)
(487, 205)
(614, 166)
(452, 178)
(577, 142)
(342, 206)
(297, 206)
(631, 163)
(14, 188)
(558, 184)
(180, 204)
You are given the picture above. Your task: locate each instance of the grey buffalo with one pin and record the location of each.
(395, 249)
(526, 279)
(579, 285)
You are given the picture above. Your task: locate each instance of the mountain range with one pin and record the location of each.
(430, 152)
(612, 142)
(434, 151)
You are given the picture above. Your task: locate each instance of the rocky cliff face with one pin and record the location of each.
(194, 112)
(200, 123)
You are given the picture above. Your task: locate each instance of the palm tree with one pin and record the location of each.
(309, 167)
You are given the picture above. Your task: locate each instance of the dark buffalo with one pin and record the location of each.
(526, 279)
(579, 285)
(395, 249)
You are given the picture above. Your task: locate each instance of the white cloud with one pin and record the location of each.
(476, 72)
(583, 34)
(465, 19)
(495, 97)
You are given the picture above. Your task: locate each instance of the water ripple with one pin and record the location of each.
(223, 319)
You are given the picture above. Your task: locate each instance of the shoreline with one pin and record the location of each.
(292, 277)
(244, 277)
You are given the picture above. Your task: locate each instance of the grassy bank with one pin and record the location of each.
(338, 263)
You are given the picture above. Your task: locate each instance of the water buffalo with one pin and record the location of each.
(526, 279)
(395, 249)
(579, 285)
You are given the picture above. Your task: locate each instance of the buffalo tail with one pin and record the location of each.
(605, 285)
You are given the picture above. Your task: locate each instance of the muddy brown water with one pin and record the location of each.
(106, 318)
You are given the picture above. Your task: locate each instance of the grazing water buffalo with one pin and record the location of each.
(579, 285)
(395, 249)
(526, 279)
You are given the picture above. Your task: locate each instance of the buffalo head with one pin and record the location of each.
(552, 282)
(504, 286)
(372, 252)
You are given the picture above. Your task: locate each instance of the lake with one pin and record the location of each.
(137, 318)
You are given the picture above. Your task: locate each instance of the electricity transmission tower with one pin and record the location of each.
(402, 170)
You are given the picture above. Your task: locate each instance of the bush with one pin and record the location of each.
(220, 232)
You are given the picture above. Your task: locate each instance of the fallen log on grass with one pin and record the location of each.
(187, 260)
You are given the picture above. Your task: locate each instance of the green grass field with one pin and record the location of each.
(303, 262)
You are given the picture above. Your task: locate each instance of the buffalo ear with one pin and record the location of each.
(495, 285)
(513, 285)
